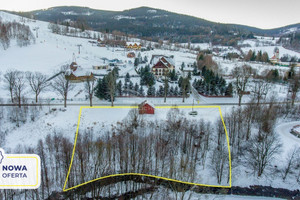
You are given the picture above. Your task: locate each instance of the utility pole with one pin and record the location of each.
(36, 29)
(79, 45)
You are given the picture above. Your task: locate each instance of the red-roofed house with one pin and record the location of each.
(163, 67)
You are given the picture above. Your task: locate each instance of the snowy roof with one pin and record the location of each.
(79, 71)
(156, 58)
(167, 60)
(132, 43)
(164, 62)
(147, 102)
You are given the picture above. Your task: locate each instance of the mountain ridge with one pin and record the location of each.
(155, 23)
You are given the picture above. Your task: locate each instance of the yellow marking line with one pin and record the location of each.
(148, 175)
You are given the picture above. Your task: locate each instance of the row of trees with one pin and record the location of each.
(65, 28)
(212, 89)
(128, 88)
(288, 58)
(17, 81)
(243, 74)
(259, 56)
(212, 84)
(15, 30)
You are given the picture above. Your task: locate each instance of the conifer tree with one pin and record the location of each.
(119, 88)
(160, 91)
(130, 85)
(127, 77)
(151, 91)
(141, 91)
(229, 90)
(171, 91)
(136, 87)
(176, 91)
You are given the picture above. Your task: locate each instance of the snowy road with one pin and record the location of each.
(132, 104)
(289, 140)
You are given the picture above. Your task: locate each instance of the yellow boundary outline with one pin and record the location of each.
(37, 172)
(147, 175)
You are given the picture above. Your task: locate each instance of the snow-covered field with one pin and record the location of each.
(49, 122)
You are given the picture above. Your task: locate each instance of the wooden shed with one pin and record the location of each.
(146, 108)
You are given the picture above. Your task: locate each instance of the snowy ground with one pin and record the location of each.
(48, 123)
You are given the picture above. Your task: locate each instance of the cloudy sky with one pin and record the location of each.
(258, 13)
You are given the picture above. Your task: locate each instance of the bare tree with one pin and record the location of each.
(10, 79)
(261, 150)
(218, 162)
(89, 88)
(294, 87)
(185, 85)
(166, 88)
(19, 86)
(260, 90)
(290, 161)
(37, 82)
(62, 86)
(241, 75)
(112, 87)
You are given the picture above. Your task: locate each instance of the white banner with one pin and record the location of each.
(19, 171)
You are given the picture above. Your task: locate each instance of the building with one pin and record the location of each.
(155, 58)
(275, 59)
(100, 43)
(133, 45)
(146, 108)
(163, 67)
(131, 55)
(99, 67)
(77, 74)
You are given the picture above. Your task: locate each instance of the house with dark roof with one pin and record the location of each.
(163, 66)
(77, 74)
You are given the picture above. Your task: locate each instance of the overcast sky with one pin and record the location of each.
(258, 13)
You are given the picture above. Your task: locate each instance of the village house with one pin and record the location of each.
(146, 108)
(155, 58)
(77, 74)
(275, 59)
(131, 55)
(100, 43)
(133, 45)
(99, 67)
(163, 66)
